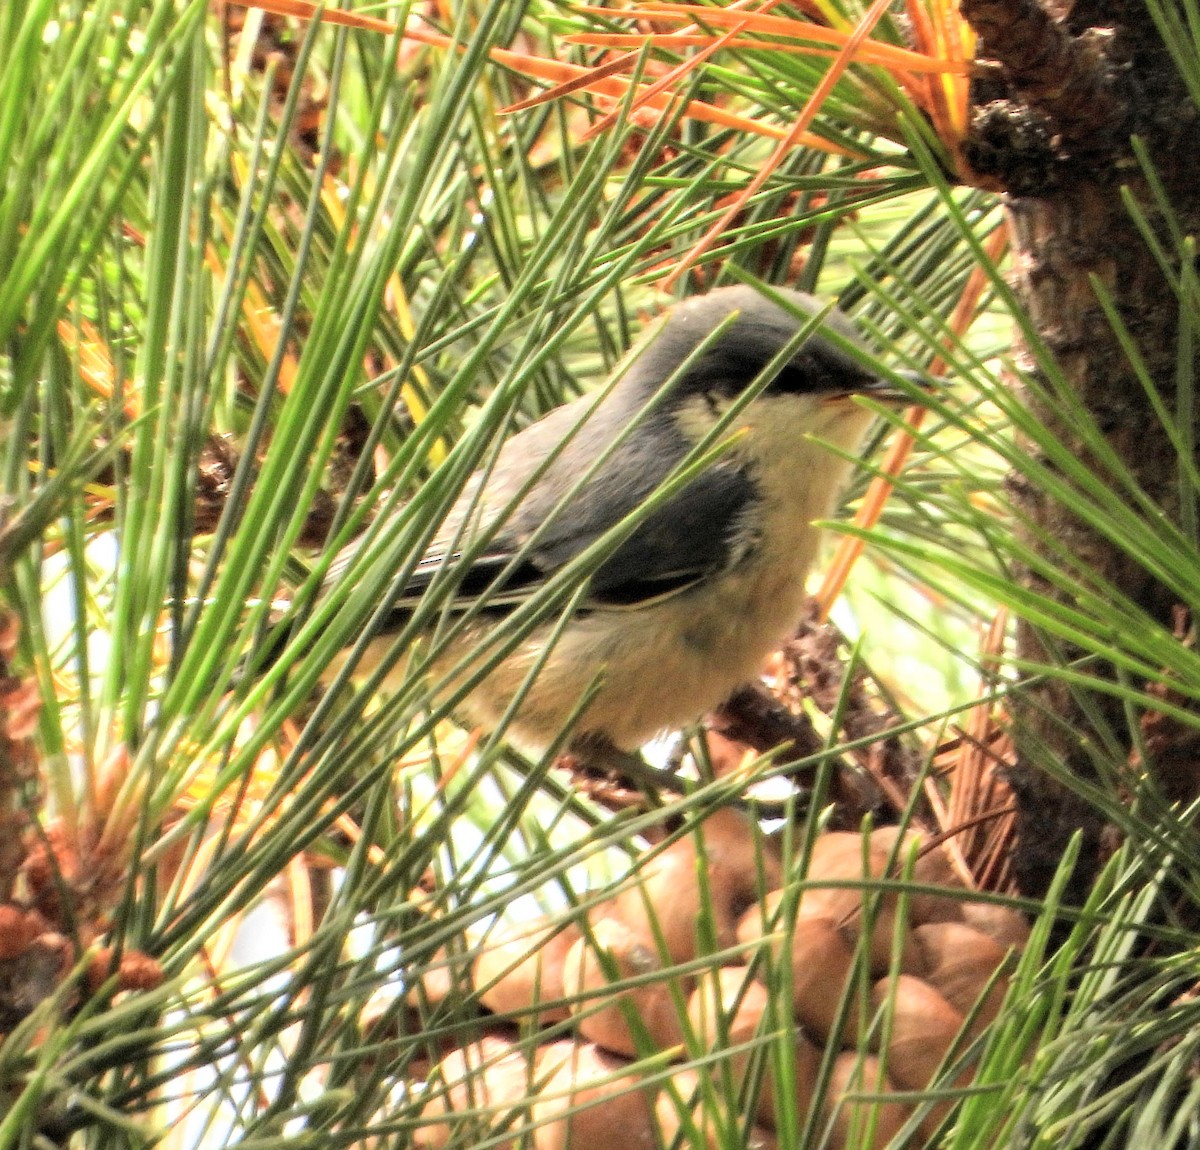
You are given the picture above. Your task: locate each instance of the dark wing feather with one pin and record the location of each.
(692, 534)
(689, 536)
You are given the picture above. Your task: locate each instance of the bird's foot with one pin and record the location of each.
(617, 779)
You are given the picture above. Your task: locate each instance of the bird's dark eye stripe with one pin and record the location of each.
(795, 379)
(816, 379)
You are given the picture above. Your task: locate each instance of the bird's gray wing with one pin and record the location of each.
(693, 533)
(698, 530)
(480, 508)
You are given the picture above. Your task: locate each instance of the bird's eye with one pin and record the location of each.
(797, 379)
(815, 376)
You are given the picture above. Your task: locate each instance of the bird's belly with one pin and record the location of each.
(657, 666)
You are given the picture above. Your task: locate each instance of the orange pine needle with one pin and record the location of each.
(708, 47)
(870, 53)
(646, 95)
(353, 833)
(303, 10)
(695, 12)
(95, 362)
(299, 901)
(798, 129)
(935, 75)
(629, 60)
(583, 79)
(776, 27)
(880, 488)
(600, 81)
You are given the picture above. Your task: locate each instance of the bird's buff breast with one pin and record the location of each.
(662, 665)
(656, 667)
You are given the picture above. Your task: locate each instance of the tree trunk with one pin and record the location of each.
(1062, 90)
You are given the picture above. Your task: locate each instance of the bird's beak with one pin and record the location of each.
(884, 391)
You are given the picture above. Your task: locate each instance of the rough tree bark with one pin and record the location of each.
(1061, 90)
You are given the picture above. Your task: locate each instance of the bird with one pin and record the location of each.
(685, 608)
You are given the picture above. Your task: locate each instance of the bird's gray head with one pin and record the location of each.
(759, 330)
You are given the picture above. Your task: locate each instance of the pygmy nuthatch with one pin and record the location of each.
(689, 604)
